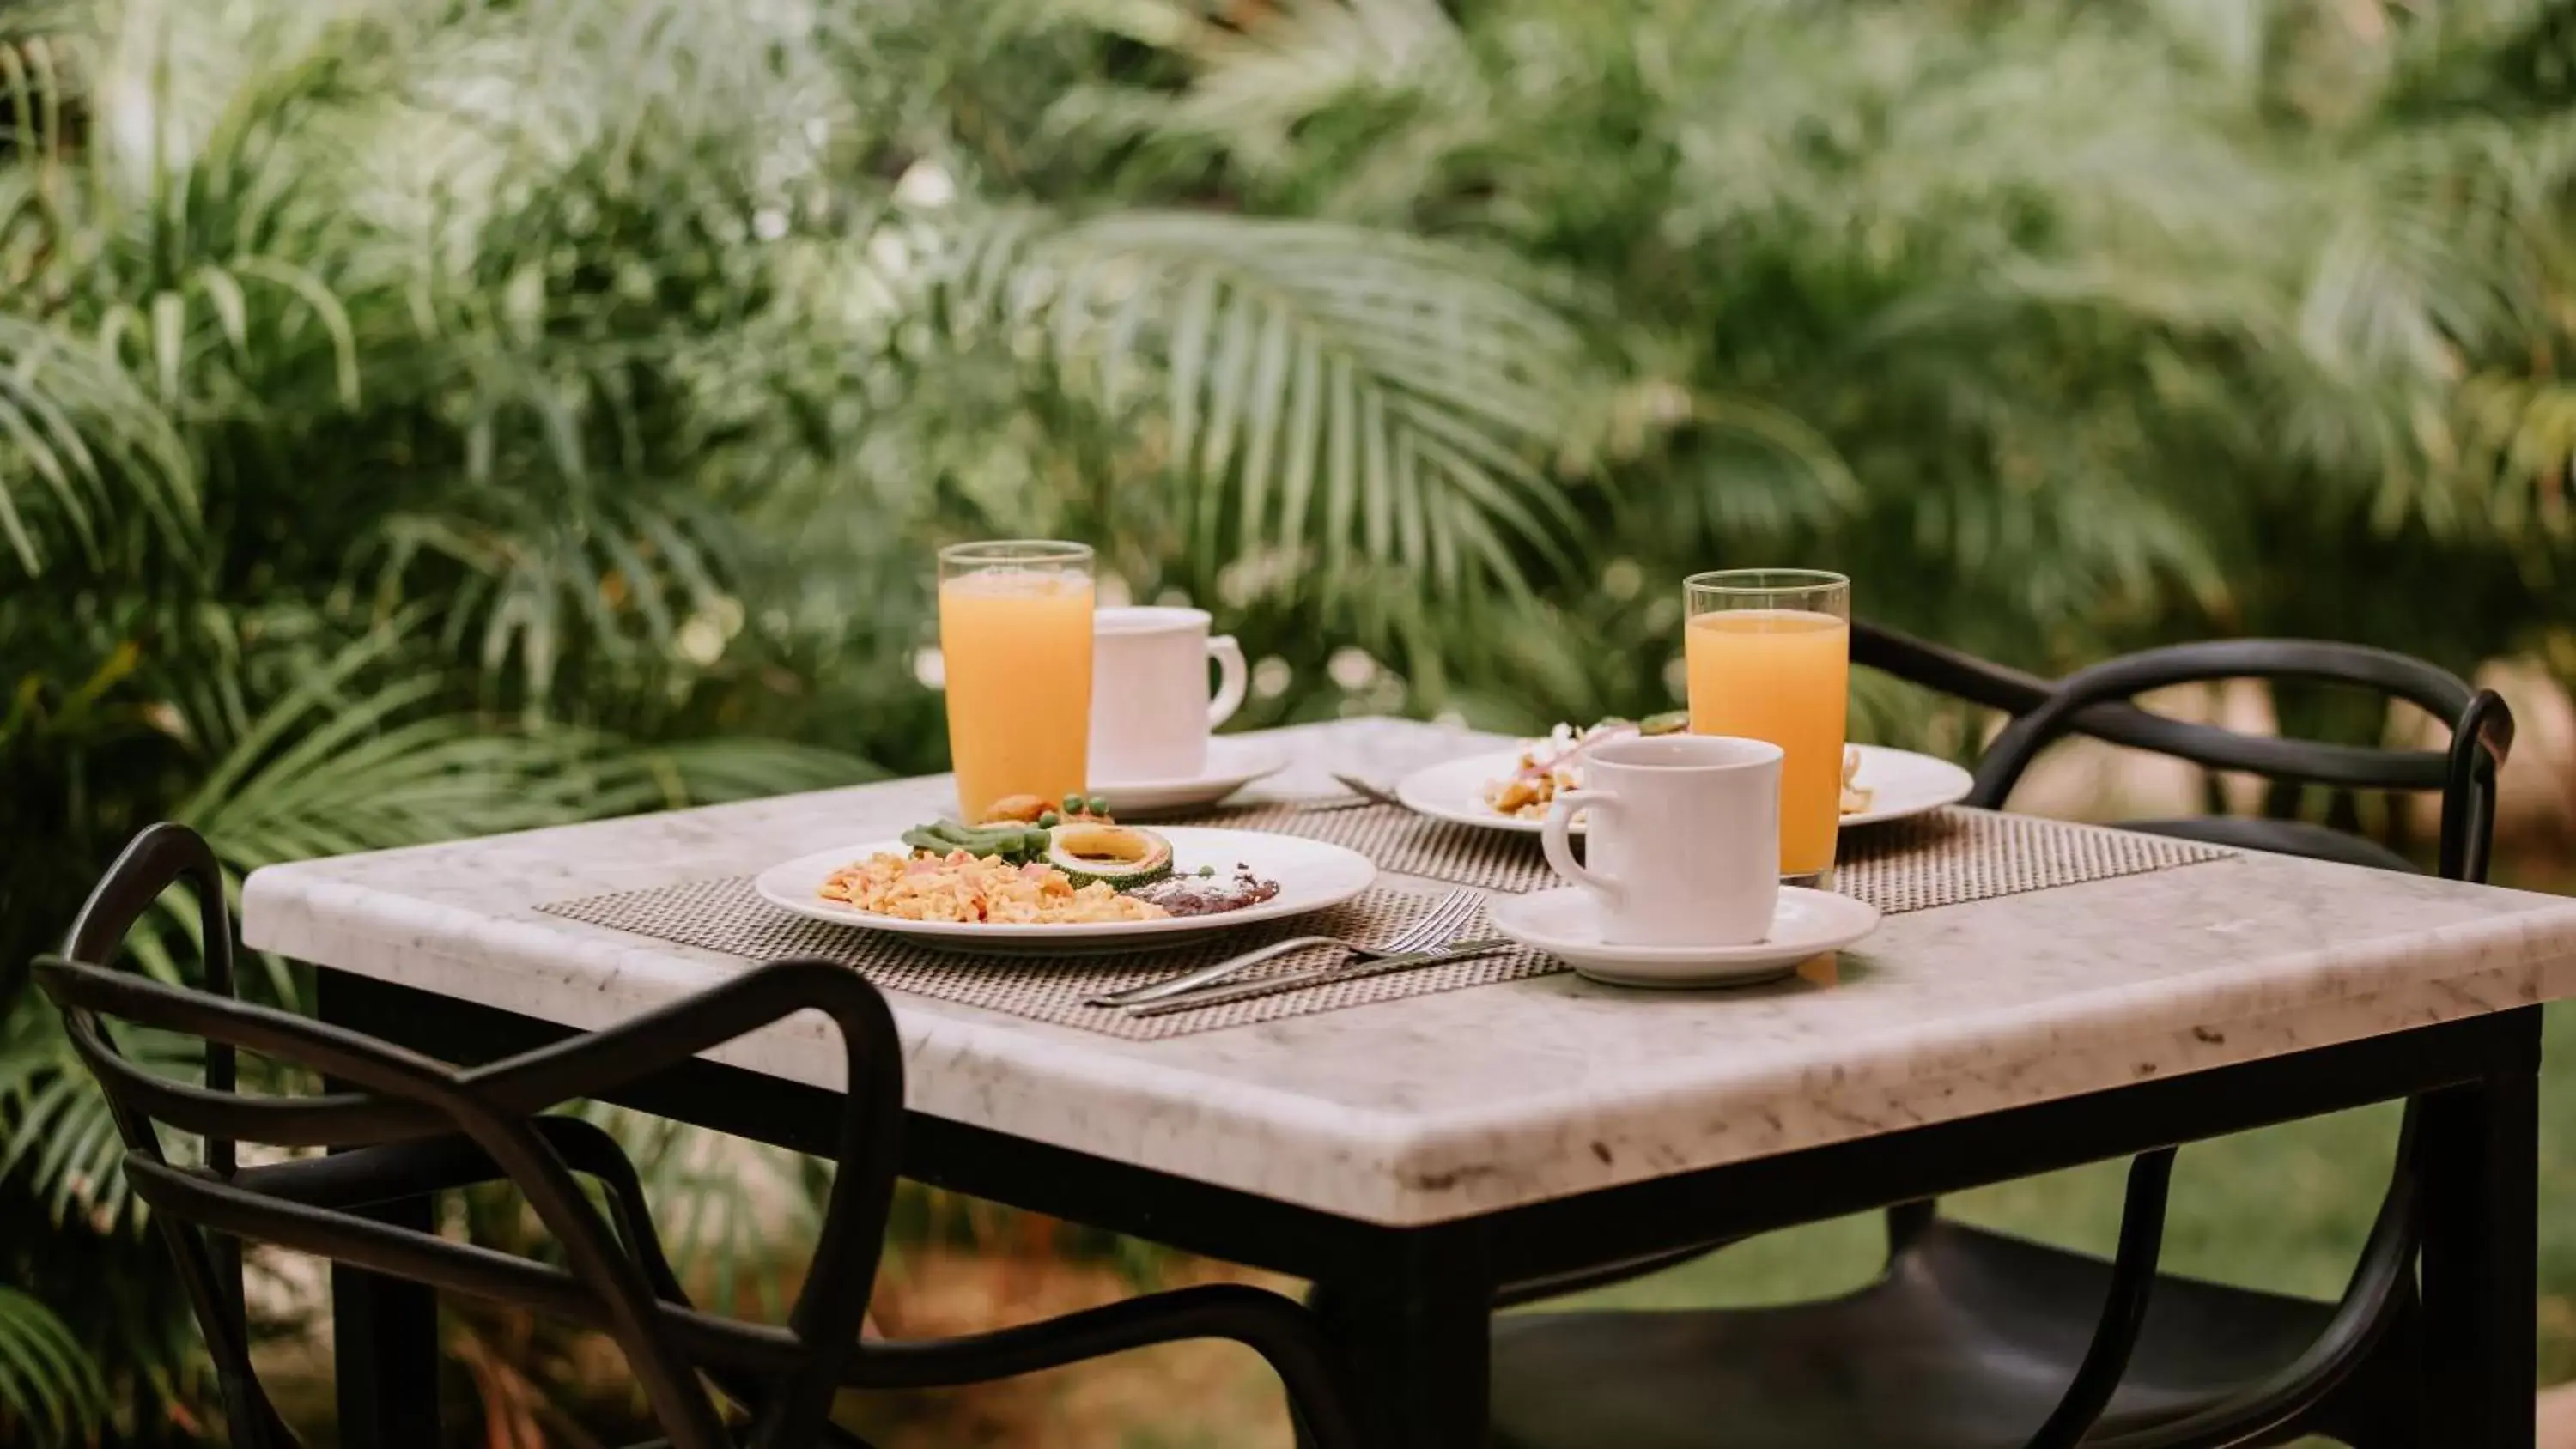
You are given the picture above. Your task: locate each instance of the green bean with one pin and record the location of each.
(1013, 842)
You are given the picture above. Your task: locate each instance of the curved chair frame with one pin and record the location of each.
(413, 1126)
(2110, 716)
(2379, 1297)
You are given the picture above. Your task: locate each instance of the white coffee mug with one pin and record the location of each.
(1684, 840)
(1150, 711)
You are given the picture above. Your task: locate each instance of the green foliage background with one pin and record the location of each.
(422, 418)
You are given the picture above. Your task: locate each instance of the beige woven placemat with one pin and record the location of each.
(1954, 856)
(727, 916)
(1946, 858)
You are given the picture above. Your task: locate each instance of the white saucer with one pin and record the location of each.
(1566, 924)
(1232, 763)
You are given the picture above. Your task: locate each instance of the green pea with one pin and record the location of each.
(1099, 804)
(1073, 804)
(1048, 820)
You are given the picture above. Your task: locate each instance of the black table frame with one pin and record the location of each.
(1410, 1305)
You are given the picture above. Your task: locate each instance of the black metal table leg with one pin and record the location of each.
(1416, 1334)
(384, 1332)
(2481, 1224)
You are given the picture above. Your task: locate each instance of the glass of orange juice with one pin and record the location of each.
(1769, 653)
(1015, 643)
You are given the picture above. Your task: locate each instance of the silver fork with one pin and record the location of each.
(1441, 923)
(1333, 974)
(1372, 794)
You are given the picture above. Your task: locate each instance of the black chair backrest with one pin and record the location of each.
(2097, 702)
(2465, 774)
(615, 1279)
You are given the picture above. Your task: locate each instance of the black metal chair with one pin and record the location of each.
(403, 1126)
(1978, 1340)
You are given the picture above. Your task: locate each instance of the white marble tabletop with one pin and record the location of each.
(1436, 1107)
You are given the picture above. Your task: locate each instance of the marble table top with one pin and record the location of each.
(1437, 1107)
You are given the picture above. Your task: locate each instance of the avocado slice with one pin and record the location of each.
(1122, 855)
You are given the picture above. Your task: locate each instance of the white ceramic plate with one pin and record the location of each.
(1902, 783)
(1231, 764)
(1566, 924)
(1311, 876)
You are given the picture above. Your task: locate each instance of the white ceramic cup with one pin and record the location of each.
(1684, 842)
(1150, 711)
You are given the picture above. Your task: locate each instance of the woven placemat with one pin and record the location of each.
(1949, 857)
(728, 916)
(1944, 858)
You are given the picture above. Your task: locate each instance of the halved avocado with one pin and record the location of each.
(1121, 855)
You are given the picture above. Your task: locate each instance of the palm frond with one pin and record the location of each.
(1374, 398)
(61, 1142)
(343, 763)
(2515, 463)
(530, 582)
(79, 446)
(48, 1385)
(707, 772)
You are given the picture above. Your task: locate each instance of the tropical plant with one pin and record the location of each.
(423, 418)
(429, 420)
(47, 1378)
(2059, 324)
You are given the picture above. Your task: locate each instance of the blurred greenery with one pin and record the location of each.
(423, 418)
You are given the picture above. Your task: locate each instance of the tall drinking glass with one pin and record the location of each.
(1769, 652)
(1015, 639)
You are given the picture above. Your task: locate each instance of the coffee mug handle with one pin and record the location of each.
(1231, 677)
(1560, 851)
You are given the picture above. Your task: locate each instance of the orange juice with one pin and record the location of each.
(1781, 675)
(1016, 645)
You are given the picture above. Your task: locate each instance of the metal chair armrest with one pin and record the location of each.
(1282, 1331)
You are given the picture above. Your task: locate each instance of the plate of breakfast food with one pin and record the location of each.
(1069, 880)
(1512, 789)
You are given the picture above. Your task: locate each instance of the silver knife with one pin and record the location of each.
(1322, 976)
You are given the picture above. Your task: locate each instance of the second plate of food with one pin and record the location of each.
(1888, 785)
(1087, 893)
